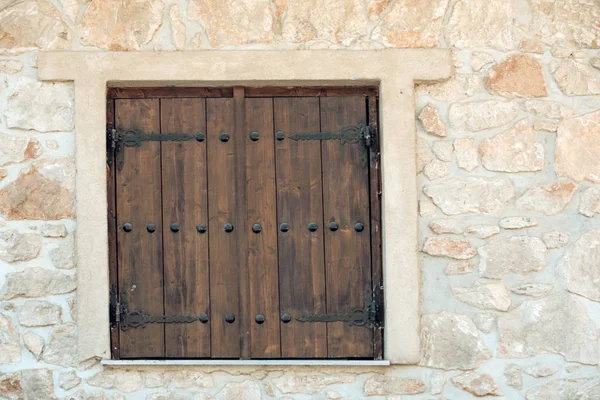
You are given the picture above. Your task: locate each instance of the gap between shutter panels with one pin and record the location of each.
(249, 317)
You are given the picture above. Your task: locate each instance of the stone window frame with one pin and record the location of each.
(394, 70)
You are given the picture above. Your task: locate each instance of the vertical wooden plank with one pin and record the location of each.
(112, 226)
(239, 115)
(262, 243)
(138, 200)
(375, 198)
(223, 253)
(299, 201)
(185, 203)
(347, 252)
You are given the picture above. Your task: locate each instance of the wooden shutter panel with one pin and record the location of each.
(140, 258)
(347, 252)
(185, 203)
(301, 254)
(247, 169)
(224, 266)
(261, 200)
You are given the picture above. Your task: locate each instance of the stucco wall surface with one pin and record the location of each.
(509, 181)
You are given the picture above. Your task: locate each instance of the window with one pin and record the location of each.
(244, 223)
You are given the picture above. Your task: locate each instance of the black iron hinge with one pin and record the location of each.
(361, 134)
(122, 316)
(117, 139)
(370, 316)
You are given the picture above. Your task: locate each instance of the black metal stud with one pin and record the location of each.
(285, 318)
(256, 228)
(279, 135)
(201, 228)
(203, 318)
(284, 227)
(334, 226)
(312, 226)
(224, 137)
(228, 227)
(127, 227)
(200, 137)
(174, 227)
(358, 227)
(254, 136)
(260, 318)
(151, 228)
(229, 318)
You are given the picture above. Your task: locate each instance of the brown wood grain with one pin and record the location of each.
(239, 116)
(167, 92)
(310, 91)
(185, 203)
(222, 209)
(375, 198)
(262, 247)
(112, 227)
(299, 201)
(268, 91)
(138, 187)
(347, 252)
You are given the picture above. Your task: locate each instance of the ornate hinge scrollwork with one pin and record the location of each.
(117, 139)
(361, 134)
(369, 316)
(121, 315)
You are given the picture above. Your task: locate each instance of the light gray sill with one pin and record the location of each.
(238, 363)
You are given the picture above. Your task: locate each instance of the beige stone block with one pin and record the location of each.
(34, 24)
(486, 296)
(415, 23)
(477, 384)
(549, 199)
(517, 76)
(477, 23)
(458, 249)
(121, 25)
(451, 341)
(516, 254)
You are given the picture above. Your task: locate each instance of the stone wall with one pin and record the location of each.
(509, 167)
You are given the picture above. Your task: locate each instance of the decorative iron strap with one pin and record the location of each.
(367, 317)
(121, 315)
(361, 134)
(119, 138)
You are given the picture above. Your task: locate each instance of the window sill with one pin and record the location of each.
(345, 363)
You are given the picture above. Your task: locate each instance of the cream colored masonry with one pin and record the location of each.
(394, 70)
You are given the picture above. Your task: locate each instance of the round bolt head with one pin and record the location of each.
(334, 226)
(224, 137)
(174, 227)
(312, 226)
(151, 228)
(285, 318)
(260, 318)
(201, 228)
(284, 227)
(254, 136)
(200, 137)
(127, 227)
(228, 227)
(256, 228)
(203, 318)
(279, 135)
(229, 318)
(359, 227)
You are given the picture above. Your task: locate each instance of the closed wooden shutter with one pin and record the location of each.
(244, 223)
